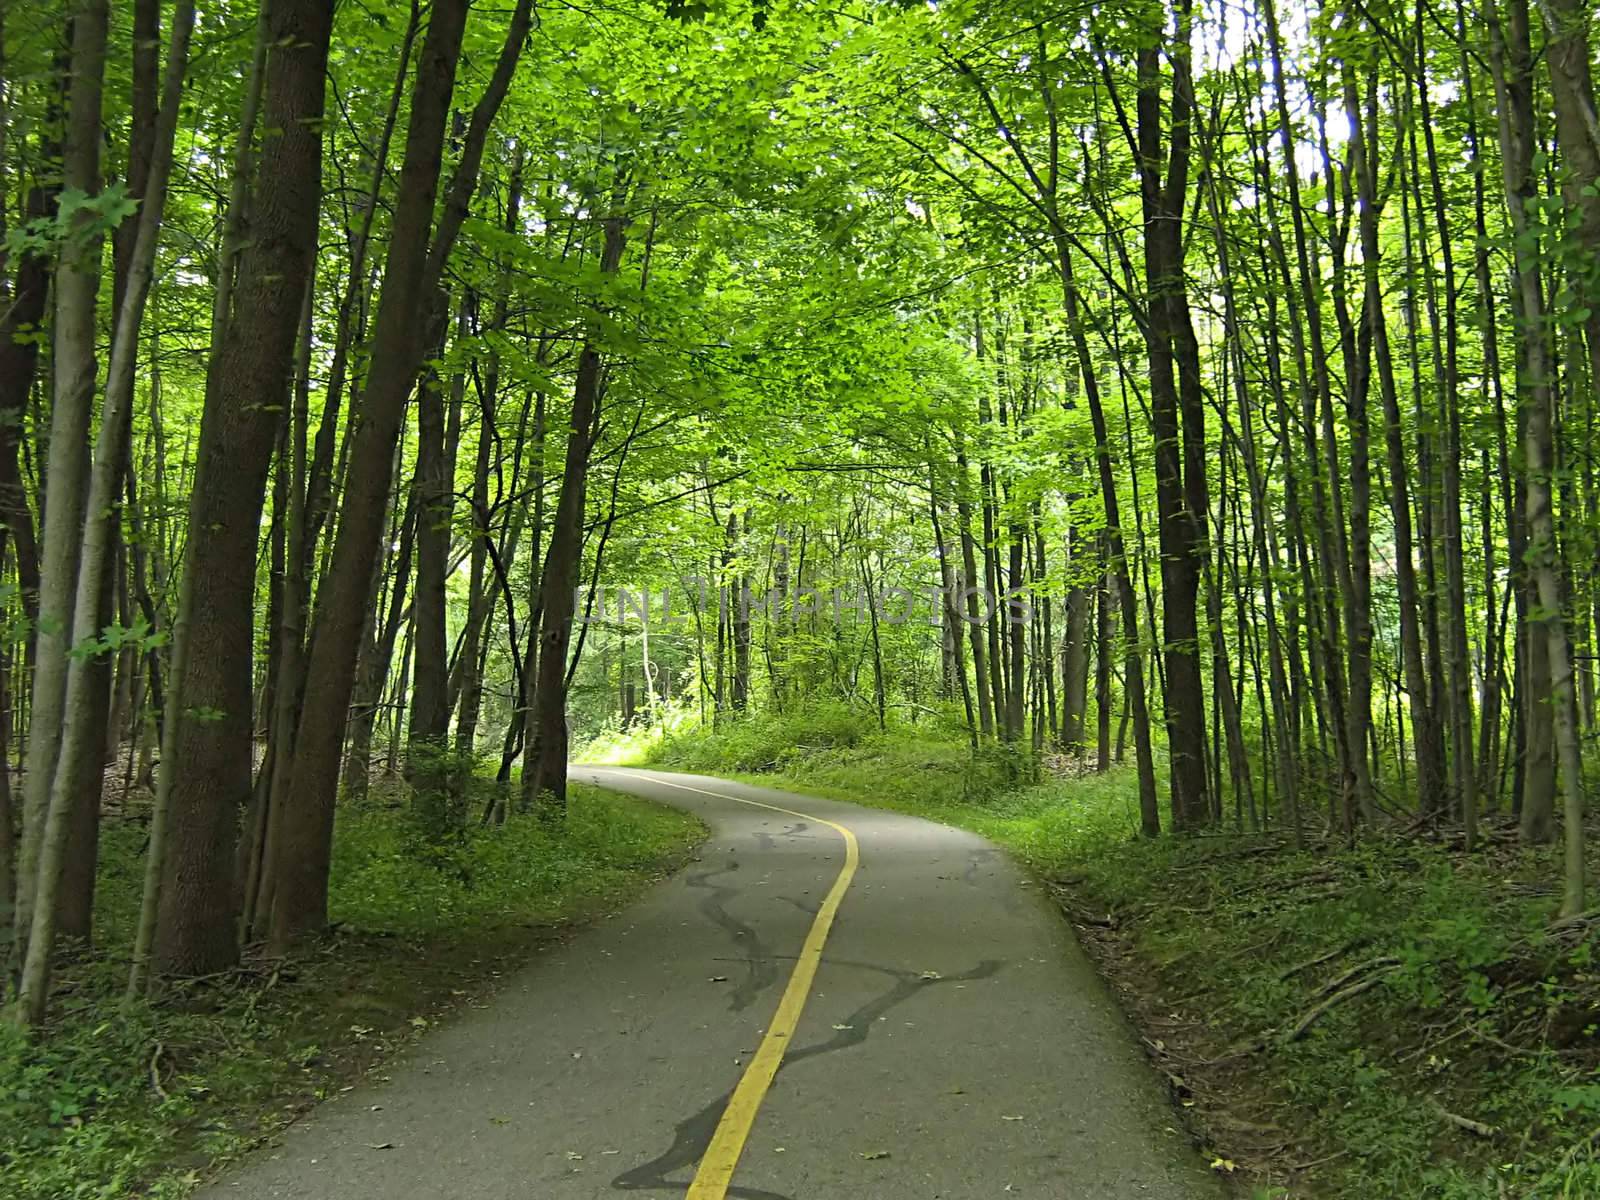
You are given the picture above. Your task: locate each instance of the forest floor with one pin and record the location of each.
(150, 1102)
(1394, 1018)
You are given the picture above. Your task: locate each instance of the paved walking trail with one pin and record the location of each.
(894, 1011)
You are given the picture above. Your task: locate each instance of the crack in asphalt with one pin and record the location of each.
(692, 1135)
(760, 971)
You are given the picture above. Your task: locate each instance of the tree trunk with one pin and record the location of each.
(1511, 59)
(1075, 655)
(86, 700)
(247, 393)
(1178, 418)
(430, 703)
(19, 358)
(74, 369)
(1116, 552)
(379, 635)
(412, 270)
(544, 782)
(970, 591)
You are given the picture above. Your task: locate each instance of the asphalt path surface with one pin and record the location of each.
(910, 1019)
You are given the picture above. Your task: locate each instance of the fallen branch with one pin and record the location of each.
(1317, 1162)
(1317, 1012)
(1290, 972)
(155, 1072)
(1476, 1128)
(1577, 923)
(1519, 1051)
(1382, 963)
(1240, 1050)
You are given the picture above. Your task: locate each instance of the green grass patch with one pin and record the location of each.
(1389, 1019)
(109, 1104)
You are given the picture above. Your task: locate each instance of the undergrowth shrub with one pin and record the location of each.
(1477, 1008)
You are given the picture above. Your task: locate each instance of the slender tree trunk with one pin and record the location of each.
(411, 275)
(1116, 552)
(430, 703)
(1105, 636)
(970, 591)
(952, 619)
(545, 784)
(740, 618)
(74, 369)
(19, 357)
(83, 727)
(1075, 653)
(321, 476)
(1178, 416)
(377, 653)
(1511, 58)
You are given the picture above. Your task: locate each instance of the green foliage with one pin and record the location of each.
(111, 1102)
(1474, 994)
(78, 219)
(770, 743)
(53, 1096)
(525, 871)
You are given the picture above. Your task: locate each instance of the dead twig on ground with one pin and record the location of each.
(1318, 1011)
(1339, 952)
(155, 1071)
(1476, 1128)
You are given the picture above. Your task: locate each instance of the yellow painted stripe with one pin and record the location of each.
(716, 1169)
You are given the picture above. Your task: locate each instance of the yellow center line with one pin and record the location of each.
(716, 1168)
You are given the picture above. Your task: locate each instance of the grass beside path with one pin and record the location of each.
(107, 1105)
(1394, 1019)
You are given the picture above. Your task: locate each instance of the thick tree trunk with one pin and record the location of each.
(247, 392)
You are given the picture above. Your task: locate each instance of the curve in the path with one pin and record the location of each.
(952, 1043)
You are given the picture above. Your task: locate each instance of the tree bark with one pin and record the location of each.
(1511, 59)
(412, 271)
(544, 782)
(83, 727)
(1177, 413)
(247, 392)
(74, 368)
